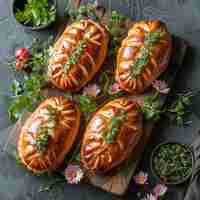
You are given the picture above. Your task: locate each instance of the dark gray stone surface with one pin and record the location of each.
(182, 18)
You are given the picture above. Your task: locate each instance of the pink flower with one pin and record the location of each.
(161, 86)
(114, 88)
(92, 90)
(141, 178)
(150, 197)
(159, 190)
(73, 174)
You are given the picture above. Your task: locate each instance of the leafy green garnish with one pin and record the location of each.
(75, 56)
(87, 104)
(110, 134)
(139, 64)
(116, 32)
(153, 37)
(27, 90)
(151, 108)
(26, 96)
(83, 12)
(177, 109)
(37, 13)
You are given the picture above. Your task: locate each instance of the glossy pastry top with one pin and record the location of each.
(78, 55)
(111, 135)
(144, 54)
(48, 134)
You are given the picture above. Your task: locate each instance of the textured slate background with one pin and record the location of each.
(182, 18)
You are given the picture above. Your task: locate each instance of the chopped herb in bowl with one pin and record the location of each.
(172, 163)
(35, 14)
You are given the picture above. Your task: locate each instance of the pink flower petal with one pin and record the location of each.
(114, 89)
(161, 86)
(92, 90)
(160, 190)
(73, 174)
(141, 178)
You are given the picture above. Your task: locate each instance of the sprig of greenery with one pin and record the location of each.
(116, 32)
(83, 12)
(151, 108)
(37, 13)
(27, 90)
(175, 111)
(110, 134)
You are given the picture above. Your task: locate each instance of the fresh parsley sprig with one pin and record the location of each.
(37, 13)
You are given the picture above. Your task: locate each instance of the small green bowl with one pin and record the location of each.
(156, 175)
(19, 5)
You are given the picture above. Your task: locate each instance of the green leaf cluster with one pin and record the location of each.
(87, 104)
(151, 108)
(116, 32)
(37, 13)
(83, 12)
(27, 90)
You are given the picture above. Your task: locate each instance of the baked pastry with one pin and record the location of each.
(48, 134)
(111, 135)
(144, 54)
(78, 55)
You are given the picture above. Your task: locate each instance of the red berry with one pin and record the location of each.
(19, 65)
(22, 54)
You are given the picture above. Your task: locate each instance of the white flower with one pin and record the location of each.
(159, 190)
(91, 90)
(141, 178)
(73, 174)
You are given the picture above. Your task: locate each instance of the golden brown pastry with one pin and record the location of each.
(78, 55)
(111, 135)
(48, 134)
(144, 54)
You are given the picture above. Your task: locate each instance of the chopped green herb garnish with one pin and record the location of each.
(37, 13)
(75, 56)
(110, 134)
(140, 62)
(153, 37)
(172, 162)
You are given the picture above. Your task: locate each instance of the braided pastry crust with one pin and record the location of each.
(154, 38)
(78, 55)
(58, 119)
(99, 155)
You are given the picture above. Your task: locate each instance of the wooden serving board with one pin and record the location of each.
(118, 180)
